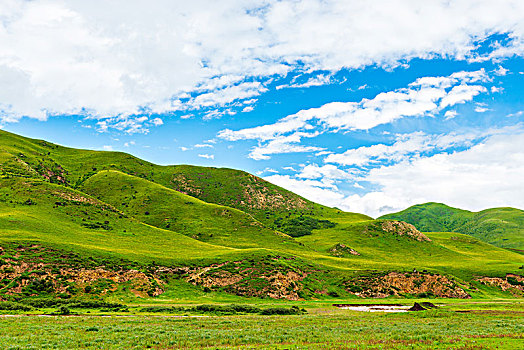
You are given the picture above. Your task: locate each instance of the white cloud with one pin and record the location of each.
(461, 94)
(480, 109)
(450, 114)
(484, 176)
(501, 71)
(107, 148)
(405, 147)
(120, 58)
(203, 145)
(283, 144)
(157, 122)
(424, 96)
(319, 80)
(207, 156)
(318, 191)
(328, 171)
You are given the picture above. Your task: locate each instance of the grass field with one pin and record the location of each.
(494, 325)
(104, 250)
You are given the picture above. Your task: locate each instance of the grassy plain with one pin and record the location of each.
(492, 325)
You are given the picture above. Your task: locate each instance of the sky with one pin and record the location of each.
(367, 106)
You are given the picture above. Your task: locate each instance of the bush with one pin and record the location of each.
(64, 310)
(304, 225)
(294, 310)
(14, 306)
(513, 281)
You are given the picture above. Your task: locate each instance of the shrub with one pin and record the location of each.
(64, 310)
(512, 280)
(14, 306)
(304, 225)
(294, 310)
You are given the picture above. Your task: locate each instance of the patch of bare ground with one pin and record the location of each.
(398, 284)
(511, 283)
(402, 228)
(250, 279)
(339, 250)
(31, 277)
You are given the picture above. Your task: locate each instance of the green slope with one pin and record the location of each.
(38, 211)
(452, 253)
(116, 205)
(161, 207)
(503, 227)
(229, 187)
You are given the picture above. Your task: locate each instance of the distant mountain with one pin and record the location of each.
(503, 227)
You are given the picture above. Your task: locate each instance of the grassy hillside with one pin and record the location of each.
(387, 249)
(503, 227)
(168, 209)
(38, 211)
(182, 231)
(72, 167)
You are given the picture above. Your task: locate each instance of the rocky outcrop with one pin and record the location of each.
(340, 250)
(399, 284)
(402, 228)
(511, 283)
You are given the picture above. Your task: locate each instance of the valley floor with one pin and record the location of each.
(455, 325)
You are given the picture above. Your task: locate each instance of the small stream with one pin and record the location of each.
(374, 307)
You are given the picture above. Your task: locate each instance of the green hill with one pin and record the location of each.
(503, 227)
(164, 208)
(79, 223)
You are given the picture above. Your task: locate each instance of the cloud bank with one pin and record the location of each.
(133, 58)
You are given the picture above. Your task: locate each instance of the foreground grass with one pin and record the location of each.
(322, 328)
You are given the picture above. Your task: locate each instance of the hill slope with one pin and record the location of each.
(233, 188)
(503, 227)
(78, 220)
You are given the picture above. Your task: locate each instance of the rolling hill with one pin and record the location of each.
(80, 223)
(503, 227)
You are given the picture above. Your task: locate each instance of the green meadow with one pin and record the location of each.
(104, 250)
(496, 327)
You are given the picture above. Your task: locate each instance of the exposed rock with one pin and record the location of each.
(395, 283)
(340, 250)
(512, 283)
(402, 228)
(253, 280)
(24, 274)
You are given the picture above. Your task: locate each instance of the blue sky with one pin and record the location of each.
(366, 107)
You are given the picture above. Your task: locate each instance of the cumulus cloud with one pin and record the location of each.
(480, 177)
(424, 96)
(207, 156)
(284, 144)
(481, 173)
(137, 57)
